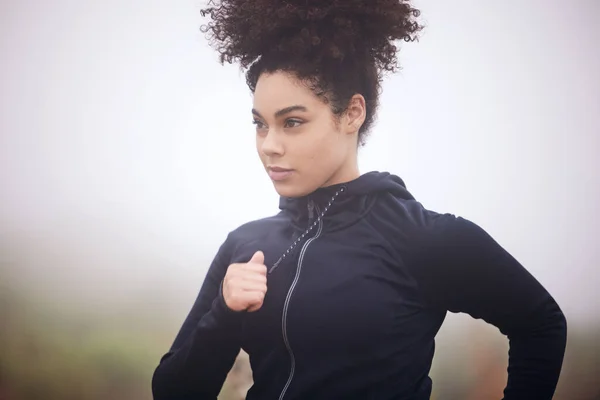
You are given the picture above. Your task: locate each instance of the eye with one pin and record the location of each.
(258, 124)
(292, 123)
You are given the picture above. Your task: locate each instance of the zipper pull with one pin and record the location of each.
(311, 211)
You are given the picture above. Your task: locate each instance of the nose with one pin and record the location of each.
(271, 144)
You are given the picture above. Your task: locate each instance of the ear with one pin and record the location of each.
(355, 114)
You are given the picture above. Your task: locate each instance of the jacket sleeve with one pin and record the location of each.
(206, 346)
(465, 270)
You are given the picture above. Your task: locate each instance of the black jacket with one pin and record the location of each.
(360, 279)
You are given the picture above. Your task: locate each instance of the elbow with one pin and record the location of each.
(159, 384)
(553, 338)
(554, 325)
(557, 321)
(163, 384)
(168, 384)
(552, 330)
(561, 325)
(547, 323)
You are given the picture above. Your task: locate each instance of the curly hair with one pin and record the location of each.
(337, 47)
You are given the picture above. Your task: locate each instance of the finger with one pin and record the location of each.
(254, 308)
(257, 258)
(259, 269)
(257, 276)
(242, 278)
(251, 286)
(251, 282)
(245, 270)
(246, 298)
(257, 304)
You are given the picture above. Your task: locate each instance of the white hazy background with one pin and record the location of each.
(127, 152)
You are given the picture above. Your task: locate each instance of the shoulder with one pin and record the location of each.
(446, 231)
(416, 228)
(450, 239)
(412, 216)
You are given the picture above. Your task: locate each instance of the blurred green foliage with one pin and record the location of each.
(59, 352)
(48, 354)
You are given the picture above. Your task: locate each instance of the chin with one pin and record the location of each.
(288, 189)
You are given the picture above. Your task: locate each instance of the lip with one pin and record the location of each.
(278, 173)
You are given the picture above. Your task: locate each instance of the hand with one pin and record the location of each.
(245, 285)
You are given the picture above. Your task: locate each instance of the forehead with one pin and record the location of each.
(279, 90)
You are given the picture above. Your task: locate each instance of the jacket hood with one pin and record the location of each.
(366, 184)
(342, 204)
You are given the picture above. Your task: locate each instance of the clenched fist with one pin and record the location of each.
(245, 285)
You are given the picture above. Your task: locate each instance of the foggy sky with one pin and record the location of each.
(127, 152)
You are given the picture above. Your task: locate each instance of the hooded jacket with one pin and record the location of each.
(360, 278)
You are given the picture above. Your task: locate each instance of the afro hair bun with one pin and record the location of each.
(243, 31)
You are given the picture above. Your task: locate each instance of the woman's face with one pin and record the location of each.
(300, 143)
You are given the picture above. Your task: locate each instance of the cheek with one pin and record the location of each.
(258, 147)
(324, 152)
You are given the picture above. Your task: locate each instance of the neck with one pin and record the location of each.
(347, 172)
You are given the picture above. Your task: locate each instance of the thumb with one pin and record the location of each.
(257, 258)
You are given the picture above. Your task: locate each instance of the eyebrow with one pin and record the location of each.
(283, 111)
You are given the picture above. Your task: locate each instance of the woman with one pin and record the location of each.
(340, 295)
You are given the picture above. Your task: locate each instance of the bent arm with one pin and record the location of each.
(205, 347)
(467, 271)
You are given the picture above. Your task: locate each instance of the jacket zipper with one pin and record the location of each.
(289, 296)
(320, 215)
